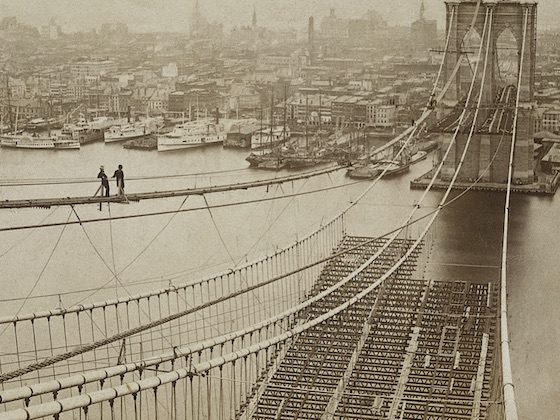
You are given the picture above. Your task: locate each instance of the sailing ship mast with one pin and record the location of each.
(9, 94)
(285, 110)
(306, 122)
(271, 118)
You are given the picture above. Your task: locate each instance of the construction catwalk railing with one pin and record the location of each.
(225, 302)
(220, 376)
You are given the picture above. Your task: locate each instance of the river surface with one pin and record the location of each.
(151, 252)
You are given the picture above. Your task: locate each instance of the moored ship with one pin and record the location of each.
(193, 134)
(133, 131)
(42, 124)
(26, 141)
(269, 138)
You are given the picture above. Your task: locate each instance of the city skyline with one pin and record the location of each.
(174, 15)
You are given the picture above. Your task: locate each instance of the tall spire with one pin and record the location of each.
(195, 19)
(254, 17)
(422, 10)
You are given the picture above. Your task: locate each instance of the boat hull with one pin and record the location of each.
(114, 139)
(164, 145)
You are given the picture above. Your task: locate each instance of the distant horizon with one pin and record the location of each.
(145, 16)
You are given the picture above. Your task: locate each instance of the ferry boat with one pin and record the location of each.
(88, 131)
(192, 134)
(42, 124)
(265, 139)
(26, 141)
(132, 131)
(62, 143)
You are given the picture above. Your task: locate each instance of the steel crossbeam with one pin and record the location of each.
(449, 374)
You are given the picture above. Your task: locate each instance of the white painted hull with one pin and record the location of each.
(165, 144)
(114, 139)
(29, 146)
(75, 145)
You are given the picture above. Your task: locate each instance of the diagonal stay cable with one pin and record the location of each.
(26, 237)
(40, 276)
(108, 266)
(222, 240)
(142, 252)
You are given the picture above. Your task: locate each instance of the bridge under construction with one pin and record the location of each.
(334, 325)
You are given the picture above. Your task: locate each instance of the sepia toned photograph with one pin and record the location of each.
(279, 209)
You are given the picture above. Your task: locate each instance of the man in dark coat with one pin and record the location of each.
(119, 175)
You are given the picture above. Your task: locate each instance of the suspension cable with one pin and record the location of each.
(507, 376)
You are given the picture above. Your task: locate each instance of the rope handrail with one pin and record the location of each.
(20, 182)
(87, 377)
(63, 201)
(172, 288)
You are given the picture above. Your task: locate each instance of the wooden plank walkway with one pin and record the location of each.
(135, 197)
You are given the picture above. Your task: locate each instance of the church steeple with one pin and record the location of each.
(422, 10)
(254, 22)
(195, 19)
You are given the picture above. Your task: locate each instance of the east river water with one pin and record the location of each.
(156, 250)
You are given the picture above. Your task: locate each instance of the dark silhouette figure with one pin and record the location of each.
(104, 181)
(119, 175)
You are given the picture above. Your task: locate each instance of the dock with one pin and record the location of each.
(547, 188)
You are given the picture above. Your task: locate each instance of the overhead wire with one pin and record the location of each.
(159, 213)
(43, 269)
(26, 237)
(69, 181)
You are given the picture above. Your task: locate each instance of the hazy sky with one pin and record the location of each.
(142, 15)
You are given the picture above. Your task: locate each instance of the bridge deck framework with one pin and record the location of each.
(415, 349)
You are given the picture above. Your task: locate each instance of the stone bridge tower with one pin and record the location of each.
(508, 17)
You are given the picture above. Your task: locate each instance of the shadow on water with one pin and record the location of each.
(468, 243)
(468, 238)
(534, 313)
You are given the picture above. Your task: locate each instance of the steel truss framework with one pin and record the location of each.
(429, 350)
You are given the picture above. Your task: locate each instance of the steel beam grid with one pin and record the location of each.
(443, 388)
(313, 367)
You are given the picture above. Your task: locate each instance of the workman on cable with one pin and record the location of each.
(104, 181)
(119, 175)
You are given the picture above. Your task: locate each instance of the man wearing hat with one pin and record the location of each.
(104, 180)
(119, 175)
